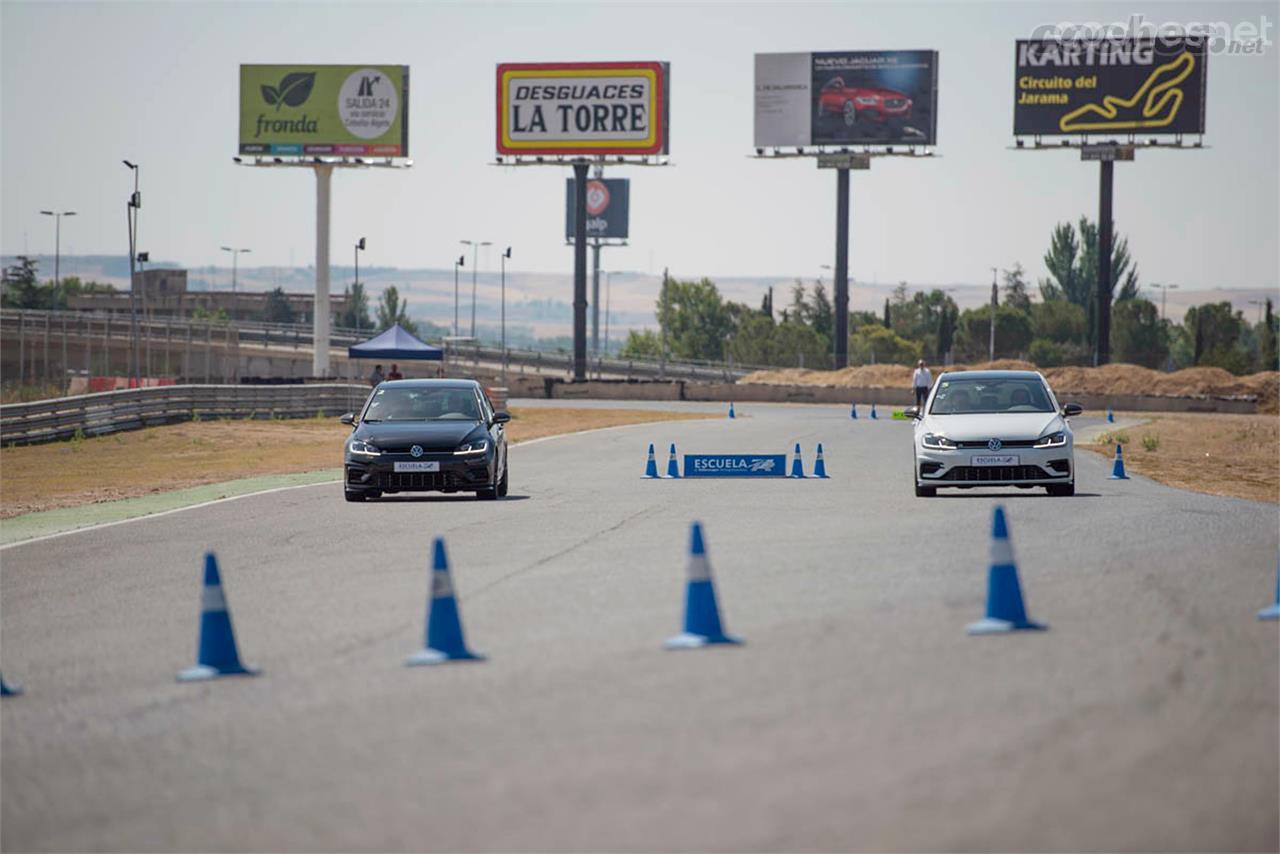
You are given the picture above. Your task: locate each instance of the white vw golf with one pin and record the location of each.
(993, 428)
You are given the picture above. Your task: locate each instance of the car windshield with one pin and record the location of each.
(423, 404)
(962, 397)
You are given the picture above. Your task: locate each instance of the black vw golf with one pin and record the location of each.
(426, 436)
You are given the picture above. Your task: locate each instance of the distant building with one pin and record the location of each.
(163, 293)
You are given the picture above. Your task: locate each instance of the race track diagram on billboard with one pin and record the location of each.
(846, 98)
(608, 208)
(330, 110)
(1121, 86)
(583, 108)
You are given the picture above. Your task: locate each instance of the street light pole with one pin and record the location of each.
(57, 241)
(359, 248)
(456, 264)
(505, 256)
(235, 255)
(131, 214)
(1164, 296)
(475, 261)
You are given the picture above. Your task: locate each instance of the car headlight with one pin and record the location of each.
(363, 448)
(867, 100)
(1053, 440)
(479, 446)
(938, 443)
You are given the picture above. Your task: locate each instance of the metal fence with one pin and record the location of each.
(132, 409)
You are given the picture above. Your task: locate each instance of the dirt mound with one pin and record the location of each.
(870, 376)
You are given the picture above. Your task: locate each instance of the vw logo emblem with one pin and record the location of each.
(416, 450)
(994, 444)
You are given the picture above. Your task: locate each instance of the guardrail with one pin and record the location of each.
(132, 409)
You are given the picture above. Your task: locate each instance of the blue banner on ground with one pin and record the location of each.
(735, 465)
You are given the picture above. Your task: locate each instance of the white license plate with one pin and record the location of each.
(405, 467)
(995, 460)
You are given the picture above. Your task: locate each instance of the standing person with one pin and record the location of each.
(921, 381)
(395, 372)
(376, 377)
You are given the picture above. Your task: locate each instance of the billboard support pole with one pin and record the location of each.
(580, 272)
(320, 311)
(1103, 350)
(595, 298)
(842, 269)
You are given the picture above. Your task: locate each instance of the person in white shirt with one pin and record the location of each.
(921, 381)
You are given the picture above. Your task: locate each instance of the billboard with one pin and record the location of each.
(1122, 86)
(583, 107)
(333, 110)
(608, 208)
(883, 97)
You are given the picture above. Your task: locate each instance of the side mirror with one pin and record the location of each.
(912, 412)
(1071, 409)
(501, 417)
(347, 418)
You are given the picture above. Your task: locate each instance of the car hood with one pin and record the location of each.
(883, 93)
(431, 435)
(1009, 426)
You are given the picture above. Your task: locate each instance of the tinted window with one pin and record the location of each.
(423, 404)
(958, 397)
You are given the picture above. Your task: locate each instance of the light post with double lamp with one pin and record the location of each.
(235, 255)
(131, 212)
(1164, 296)
(505, 256)
(462, 259)
(359, 248)
(57, 240)
(475, 258)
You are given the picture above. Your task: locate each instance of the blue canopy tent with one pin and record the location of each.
(395, 343)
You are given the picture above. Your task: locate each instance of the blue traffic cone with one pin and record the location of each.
(701, 613)
(853, 411)
(444, 640)
(731, 415)
(651, 467)
(216, 654)
(797, 464)
(1111, 416)
(1005, 611)
(9, 690)
(673, 465)
(1272, 612)
(819, 467)
(1117, 468)
(874, 417)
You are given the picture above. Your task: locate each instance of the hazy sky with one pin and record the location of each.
(86, 84)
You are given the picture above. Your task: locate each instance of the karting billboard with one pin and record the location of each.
(1123, 86)
(324, 109)
(608, 208)
(884, 97)
(583, 107)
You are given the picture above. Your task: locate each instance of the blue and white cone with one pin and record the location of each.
(701, 613)
(651, 466)
(874, 417)
(1273, 611)
(797, 464)
(9, 690)
(216, 653)
(731, 415)
(673, 465)
(819, 467)
(444, 640)
(853, 411)
(1117, 468)
(1111, 416)
(1005, 610)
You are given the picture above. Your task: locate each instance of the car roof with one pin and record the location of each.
(468, 384)
(992, 375)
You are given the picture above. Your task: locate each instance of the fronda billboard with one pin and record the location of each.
(608, 208)
(846, 98)
(1121, 86)
(583, 108)
(296, 110)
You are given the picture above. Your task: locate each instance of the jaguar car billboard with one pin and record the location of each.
(1109, 86)
(846, 98)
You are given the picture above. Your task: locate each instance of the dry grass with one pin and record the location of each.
(1229, 455)
(160, 459)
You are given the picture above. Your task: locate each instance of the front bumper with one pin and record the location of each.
(456, 474)
(1033, 467)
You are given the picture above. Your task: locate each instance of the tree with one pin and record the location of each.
(356, 314)
(1215, 332)
(888, 320)
(277, 308)
(644, 344)
(877, 345)
(1013, 333)
(1072, 262)
(1062, 261)
(21, 287)
(393, 311)
(1015, 288)
(1137, 334)
(695, 319)
(1270, 360)
(1059, 321)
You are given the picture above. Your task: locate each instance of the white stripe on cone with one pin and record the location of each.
(1001, 551)
(213, 599)
(699, 568)
(441, 585)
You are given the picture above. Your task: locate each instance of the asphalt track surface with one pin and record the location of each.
(857, 716)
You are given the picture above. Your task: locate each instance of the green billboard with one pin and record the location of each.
(334, 110)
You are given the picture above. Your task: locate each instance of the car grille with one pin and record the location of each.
(1016, 443)
(428, 449)
(417, 480)
(1003, 474)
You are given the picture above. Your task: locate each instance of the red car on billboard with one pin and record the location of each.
(858, 103)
